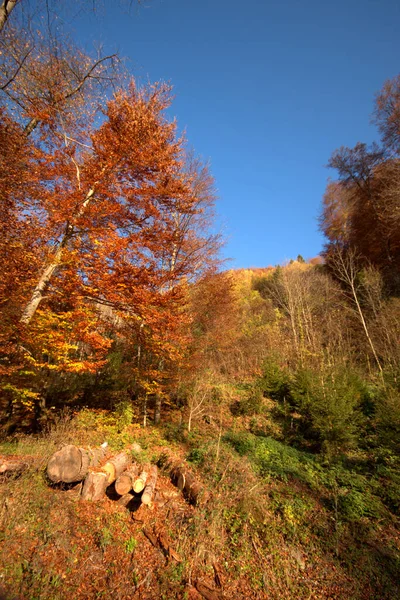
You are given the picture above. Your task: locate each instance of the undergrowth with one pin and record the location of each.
(280, 522)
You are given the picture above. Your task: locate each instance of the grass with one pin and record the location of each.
(280, 522)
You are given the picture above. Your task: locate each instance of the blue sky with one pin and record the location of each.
(266, 90)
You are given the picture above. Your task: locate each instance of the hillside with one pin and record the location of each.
(253, 414)
(279, 522)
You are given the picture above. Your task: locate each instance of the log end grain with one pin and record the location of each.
(66, 465)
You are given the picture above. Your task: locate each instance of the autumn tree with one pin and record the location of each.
(387, 114)
(108, 213)
(360, 208)
(345, 266)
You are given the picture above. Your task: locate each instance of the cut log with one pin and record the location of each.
(170, 494)
(95, 486)
(71, 464)
(14, 465)
(124, 483)
(115, 466)
(151, 482)
(167, 461)
(183, 478)
(97, 455)
(140, 482)
(68, 465)
(190, 487)
(125, 499)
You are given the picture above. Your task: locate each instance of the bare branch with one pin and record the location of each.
(13, 77)
(88, 76)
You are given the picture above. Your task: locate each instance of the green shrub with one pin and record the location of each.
(330, 405)
(390, 494)
(197, 456)
(280, 460)
(130, 545)
(354, 505)
(388, 417)
(275, 382)
(243, 443)
(174, 432)
(273, 458)
(124, 411)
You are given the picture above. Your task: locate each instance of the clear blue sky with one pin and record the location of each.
(266, 89)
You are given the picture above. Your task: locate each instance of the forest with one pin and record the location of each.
(278, 388)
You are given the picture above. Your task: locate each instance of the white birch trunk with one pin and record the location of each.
(5, 11)
(50, 269)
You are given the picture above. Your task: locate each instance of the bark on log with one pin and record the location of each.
(183, 479)
(71, 464)
(190, 487)
(151, 482)
(125, 499)
(115, 466)
(124, 483)
(95, 486)
(97, 455)
(140, 482)
(14, 465)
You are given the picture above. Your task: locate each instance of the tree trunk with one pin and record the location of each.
(95, 486)
(46, 276)
(5, 11)
(140, 483)
(31, 126)
(145, 410)
(71, 464)
(124, 483)
(42, 285)
(149, 490)
(364, 324)
(157, 410)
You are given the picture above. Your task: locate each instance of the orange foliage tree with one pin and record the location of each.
(118, 219)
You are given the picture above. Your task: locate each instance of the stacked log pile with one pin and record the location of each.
(91, 472)
(96, 482)
(97, 471)
(131, 481)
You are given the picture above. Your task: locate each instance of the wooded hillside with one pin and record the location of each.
(278, 389)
